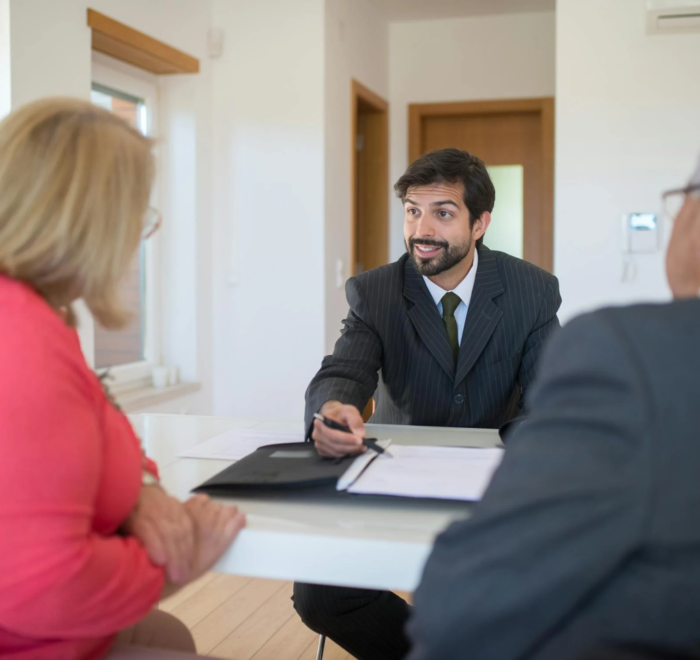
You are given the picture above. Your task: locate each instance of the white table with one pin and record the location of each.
(359, 542)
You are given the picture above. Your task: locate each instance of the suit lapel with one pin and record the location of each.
(483, 314)
(426, 319)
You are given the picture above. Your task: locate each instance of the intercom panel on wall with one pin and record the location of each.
(640, 233)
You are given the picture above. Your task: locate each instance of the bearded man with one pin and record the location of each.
(448, 335)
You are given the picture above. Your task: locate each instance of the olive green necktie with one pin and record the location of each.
(450, 302)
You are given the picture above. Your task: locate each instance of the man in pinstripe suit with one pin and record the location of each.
(449, 335)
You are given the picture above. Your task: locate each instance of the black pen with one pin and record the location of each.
(371, 443)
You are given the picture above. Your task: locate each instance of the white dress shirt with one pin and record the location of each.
(463, 290)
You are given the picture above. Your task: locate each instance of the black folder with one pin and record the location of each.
(295, 471)
(289, 466)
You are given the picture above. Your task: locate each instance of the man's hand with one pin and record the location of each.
(337, 443)
(216, 525)
(683, 254)
(166, 530)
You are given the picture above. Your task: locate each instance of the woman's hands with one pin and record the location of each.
(166, 530)
(186, 539)
(216, 526)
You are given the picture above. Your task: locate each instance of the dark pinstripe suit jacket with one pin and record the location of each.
(394, 345)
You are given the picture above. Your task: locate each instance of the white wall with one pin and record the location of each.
(466, 59)
(51, 55)
(628, 127)
(50, 49)
(5, 68)
(282, 193)
(255, 177)
(356, 46)
(268, 146)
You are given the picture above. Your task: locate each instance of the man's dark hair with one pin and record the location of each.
(452, 166)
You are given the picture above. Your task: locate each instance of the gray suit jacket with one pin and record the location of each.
(589, 534)
(394, 345)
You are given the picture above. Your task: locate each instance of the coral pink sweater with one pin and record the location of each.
(70, 473)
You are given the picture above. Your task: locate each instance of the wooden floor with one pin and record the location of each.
(242, 618)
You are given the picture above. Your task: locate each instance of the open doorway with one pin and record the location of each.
(370, 180)
(515, 139)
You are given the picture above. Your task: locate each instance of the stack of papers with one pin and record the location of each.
(234, 445)
(451, 473)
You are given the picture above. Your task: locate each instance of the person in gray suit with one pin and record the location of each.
(587, 542)
(449, 335)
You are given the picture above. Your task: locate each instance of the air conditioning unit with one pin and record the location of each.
(673, 16)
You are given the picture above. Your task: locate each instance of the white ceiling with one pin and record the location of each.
(416, 10)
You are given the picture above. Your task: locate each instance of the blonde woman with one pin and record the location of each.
(89, 543)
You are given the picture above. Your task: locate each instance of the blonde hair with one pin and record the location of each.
(75, 182)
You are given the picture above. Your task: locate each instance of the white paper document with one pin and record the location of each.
(358, 466)
(234, 445)
(450, 473)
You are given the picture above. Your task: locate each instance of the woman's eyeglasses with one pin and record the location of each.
(152, 219)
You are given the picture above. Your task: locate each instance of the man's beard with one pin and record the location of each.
(450, 256)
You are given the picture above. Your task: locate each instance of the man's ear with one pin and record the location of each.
(481, 225)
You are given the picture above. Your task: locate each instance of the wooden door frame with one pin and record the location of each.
(544, 105)
(358, 92)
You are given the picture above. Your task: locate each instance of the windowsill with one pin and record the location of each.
(132, 400)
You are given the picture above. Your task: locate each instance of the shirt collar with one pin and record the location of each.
(463, 289)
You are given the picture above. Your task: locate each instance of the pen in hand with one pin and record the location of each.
(371, 443)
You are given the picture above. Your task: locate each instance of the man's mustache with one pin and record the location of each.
(428, 241)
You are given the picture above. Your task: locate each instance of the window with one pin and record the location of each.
(125, 346)
(131, 353)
